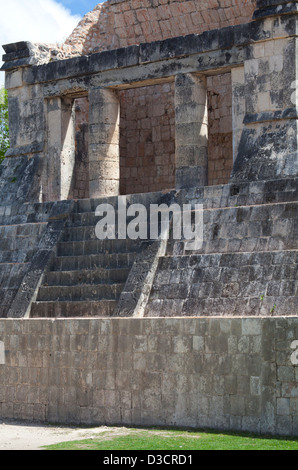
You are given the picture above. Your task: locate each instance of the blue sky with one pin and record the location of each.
(79, 7)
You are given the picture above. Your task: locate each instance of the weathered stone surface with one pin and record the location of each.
(225, 285)
(214, 342)
(244, 267)
(44, 250)
(265, 48)
(202, 372)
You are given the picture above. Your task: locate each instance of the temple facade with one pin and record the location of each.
(154, 103)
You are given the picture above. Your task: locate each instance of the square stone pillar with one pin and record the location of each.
(191, 130)
(268, 147)
(238, 106)
(104, 152)
(60, 153)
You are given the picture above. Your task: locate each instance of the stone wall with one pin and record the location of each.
(269, 97)
(115, 24)
(257, 56)
(260, 284)
(231, 374)
(247, 264)
(147, 139)
(147, 135)
(220, 136)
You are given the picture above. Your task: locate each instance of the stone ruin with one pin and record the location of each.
(186, 102)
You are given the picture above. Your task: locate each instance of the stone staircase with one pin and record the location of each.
(86, 276)
(247, 265)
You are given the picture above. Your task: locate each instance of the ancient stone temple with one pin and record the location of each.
(153, 103)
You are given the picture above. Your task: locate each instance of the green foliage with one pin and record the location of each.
(4, 130)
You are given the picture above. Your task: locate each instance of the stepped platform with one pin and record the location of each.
(246, 266)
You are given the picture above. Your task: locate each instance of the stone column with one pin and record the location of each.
(238, 107)
(268, 148)
(60, 155)
(104, 154)
(191, 130)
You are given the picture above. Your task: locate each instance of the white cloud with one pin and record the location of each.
(34, 20)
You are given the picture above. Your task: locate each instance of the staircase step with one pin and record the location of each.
(90, 205)
(100, 308)
(235, 245)
(82, 233)
(84, 219)
(87, 276)
(93, 247)
(81, 292)
(84, 262)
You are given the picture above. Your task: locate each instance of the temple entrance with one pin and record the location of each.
(147, 139)
(139, 140)
(220, 135)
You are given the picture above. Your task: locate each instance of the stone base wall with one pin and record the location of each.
(222, 373)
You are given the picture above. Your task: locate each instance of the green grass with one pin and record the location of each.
(177, 441)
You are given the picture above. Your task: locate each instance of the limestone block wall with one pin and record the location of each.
(231, 374)
(259, 57)
(18, 182)
(247, 264)
(147, 135)
(220, 135)
(270, 96)
(226, 285)
(147, 139)
(121, 23)
(26, 114)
